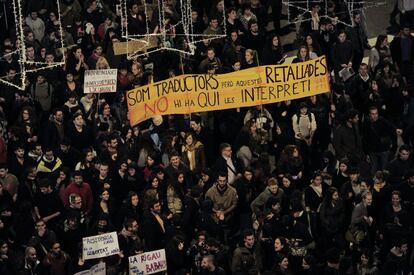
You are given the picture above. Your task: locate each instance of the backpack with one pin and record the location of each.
(298, 117)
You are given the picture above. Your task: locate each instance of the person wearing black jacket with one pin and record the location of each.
(402, 51)
(203, 134)
(347, 140)
(246, 193)
(342, 53)
(227, 164)
(273, 51)
(379, 136)
(154, 228)
(359, 40)
(359, 87)
(399, 165)
(332, 215)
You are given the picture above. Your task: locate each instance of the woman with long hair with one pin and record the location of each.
(332, 214)
(105, 116)
(302, 55)
(152, 192)
(104, 205)
(365, 264)
(313, 197)
(313, 46)
(380, 53)
(273, 250)
(341, 175)
(146, 147)
(27, 121)
(175, 196)
(291, 162)
(282, 266)
(130, 209)
(192, 153)
(150, 165)
(70, 85)
(87, 164)
(273, 51)
(62, 181)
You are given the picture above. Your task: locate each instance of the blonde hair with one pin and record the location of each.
(102, 63)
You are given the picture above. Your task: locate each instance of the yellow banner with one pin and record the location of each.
(187, 94)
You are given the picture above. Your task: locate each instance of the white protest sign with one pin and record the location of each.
(98, 269)
(100, 246)
(148, 263)
(100, 81)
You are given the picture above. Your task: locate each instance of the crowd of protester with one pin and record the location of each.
(321, 185)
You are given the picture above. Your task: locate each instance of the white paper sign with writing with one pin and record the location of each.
(100, 246)
(98, 269)
(100, 81)
(148, 263)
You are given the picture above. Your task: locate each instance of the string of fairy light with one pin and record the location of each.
(305, 7)
(22, 49)
(164, 31)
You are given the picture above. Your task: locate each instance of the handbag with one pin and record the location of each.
(297, 250)
(355, 237)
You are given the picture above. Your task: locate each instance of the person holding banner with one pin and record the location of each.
(129, 242)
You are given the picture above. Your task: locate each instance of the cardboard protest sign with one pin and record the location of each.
(98, 269)
(100, 246)
(148, 263)
(186, 94)
(100, 81)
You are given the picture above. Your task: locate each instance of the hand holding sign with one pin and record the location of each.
(148, 263)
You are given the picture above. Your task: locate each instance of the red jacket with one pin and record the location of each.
(84, 191)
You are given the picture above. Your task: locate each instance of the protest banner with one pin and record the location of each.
(148, 263)
(100, 81)
(98, 269)
(100, 246)
(186, 94)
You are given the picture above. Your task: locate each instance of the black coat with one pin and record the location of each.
(154, 236)
(348, 143)
(221, 166)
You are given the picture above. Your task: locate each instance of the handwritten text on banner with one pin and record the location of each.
(100, 246)
(187, 94)
(148, 263)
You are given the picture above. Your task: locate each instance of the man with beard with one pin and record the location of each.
(154, 227)
(67, 154)
(129, 242)
(57, 261)
(31, 265)
(54, 129)
(209, 267)
(244, 257)
(19, 161)
(80, 188)
(48, 164)
(224, 198)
